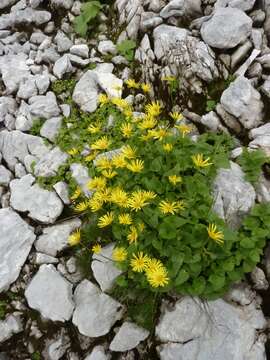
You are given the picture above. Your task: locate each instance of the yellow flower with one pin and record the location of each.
(175, 179)
(158, 134)
(184, 129)
(168, 207)
(82, 206)
(95, 203)
(135, 165)
(181, 204)
(200, 162)
(149, 195)
(91, 156)
(74, 238)
(96, 248)
(176, 115)
(119, 161)
(119, 197)
(132, 235)
(103, 195)
(167, 147)
(153, 109)
(97, 182)
(149, 122)
(125, 219)
(73, 151)
(217, 236)
(168, 78)
(77, 193)
(153, 264)
(109, 174)
(132, 84)
(128, 152)
(157, 277)
(139, 262)
(141, 226)
(128, 112)
(101, 144)
(105, 220)
(146, 88)
(94, 129)
(103, 99)
(126, 130)
(103, 163)
(138, 200)
(121, 103)
(119, 254)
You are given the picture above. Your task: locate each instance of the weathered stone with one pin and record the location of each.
(50, 294)
(24, 17)
(107, 47)
(259, 280)
(27, 88)
(24, 120)
(98, 353)
(61, 188)
(62, 41)
(130, 13)
(181, 8)
(6, 3)
(81, 50)
(62, 66)
(49, 164)
(227, 28)
(40, 204)
(5, 176)
(55, 238)
(81, 175)
(244, 5)
(16, 241)
(44, 106)
(51, 127)
(10, 326)
(45, 259)
(56, 347)
(95, 312)
(128, 337)
(66, 4)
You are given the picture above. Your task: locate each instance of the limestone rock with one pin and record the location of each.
(5, 176)
(10, 326)
(244, 5)
(51, 127)
(98, 353)
(62, 66)
(80, 174)
(49, 164)
(44, 106)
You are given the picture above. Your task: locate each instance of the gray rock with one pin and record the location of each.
(61, 189)
(81, 50)
(81, 176)
(107, 47)
(44, 106)
(24, 120)
(149, 20)
(19, 170)
(266, 87)
(245, 66)
(130, 13)
(27, 88)
(104, 269)
(5, 176)
(45, 259)
(6, 3)
(40, 204)
(66, 4)
(240, 294)
(98, 353)
(49, 164)
(234, 196)
(62, 66)
(259, 280)
(261, 142)
(55, 238)
(24, 17)
(42, 83)
(16, 241)
(260, 131)
(50, 294)
(10, 326)
(51, 127)
(244, 5)
(196, 332)
(212, 122)
(8, 106)
(38, 37)
(180, 8)
(264, 60)
(78, 61)
(128, 337)
(227, 28)
(56, 348)
(95, 312)
(244, 102)
(62, 41)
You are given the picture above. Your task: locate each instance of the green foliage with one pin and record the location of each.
(252, 162)
(61, 86)
(37, 125)
(36, 356)
(210, 105)
(89, 11)
(126, 49)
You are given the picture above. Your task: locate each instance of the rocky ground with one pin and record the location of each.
(49, 310)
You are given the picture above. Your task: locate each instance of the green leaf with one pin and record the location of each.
(247, 243)
(182, 277)
(218, 281)
(126, 48)
(121, 281)
(89, 11)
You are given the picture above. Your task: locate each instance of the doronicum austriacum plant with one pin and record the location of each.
(151, 195)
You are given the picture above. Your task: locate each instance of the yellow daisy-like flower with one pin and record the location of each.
(77, 193)
(94, 129)
(97, 182)
(149, 195)
(126, 130)
(96, 248)
(74, 238)
(146, 88)
(168, 207)
(200, 162)
(138, 200)
(121, 103)
(95, 203)
(158, 277)
(73, 151)
(103, 99)
(109, 174)
(158, 134)
(119, 197)
(135, 165)
(153, 109)
(141, 226)
(119, 254)
(125, 219)
(128, 112)
(175, 179)
(101, 144)
(103, 195)
(181, 205)
(82, 206)
(103, 163)
(132, 235)
(139, 262)
(167, 147)
(119, 161)
(149, 122)
(184, 129)
(153, 264)
(128, 152)
(132, 84)
(146, 137)
(106, 220)
(176, 115)
(214, 234)
(91, 156)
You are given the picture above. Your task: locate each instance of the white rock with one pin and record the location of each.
(61, 188)
(42, 83)
(6, 3)
(24, 120)
(5, 176)
(107, 47)
(49, 164)
(62, 66)
(10, 326)
(234, 196)
(95, 312)
(81, 176)
(78, 61)
(55, 238)
(40, 204)
(66, 4)
(51, 127)
(27, 88)
(227, 28)
(56, 348)
(104, 269)
(16, 241)
(62, 41)
(50, 294)
(128, 337)
(44, 106)
(98, 353)
(244, 5)
(19, 170)
(45, 259)
(81, 50)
